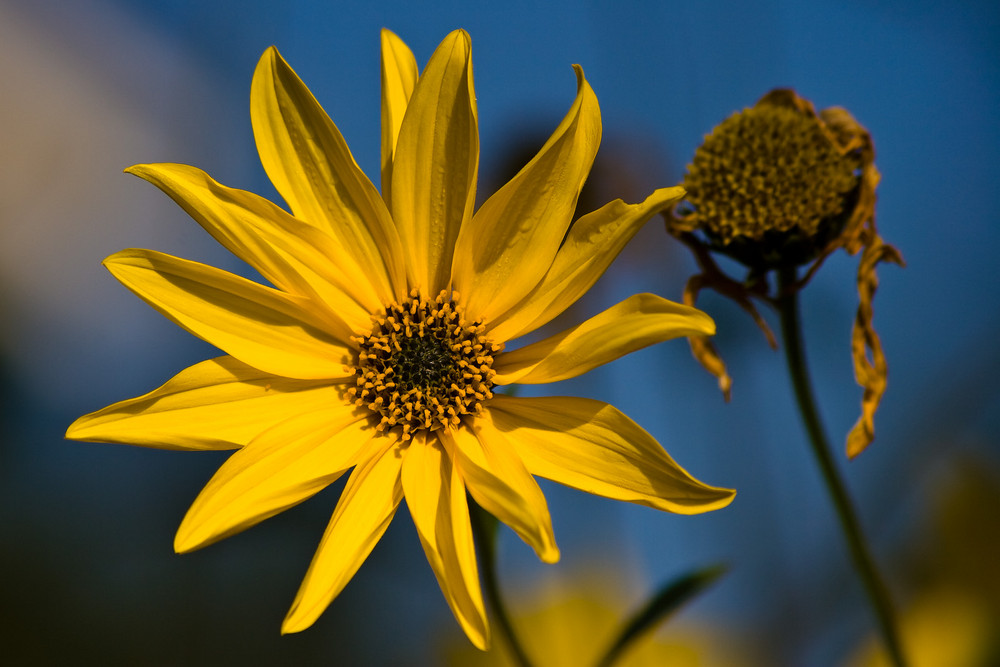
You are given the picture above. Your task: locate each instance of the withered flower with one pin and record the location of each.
(778, 187)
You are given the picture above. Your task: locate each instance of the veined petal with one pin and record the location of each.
(218, 404)
(592, 243)
(637, 322)
(399, 78)
(366, 508)
(435, 164)
(511, 241)
(259, 326)
(499, 482)
(309, 163)
(435, 494)
(280, 468)
(293, 255)
(591, 446)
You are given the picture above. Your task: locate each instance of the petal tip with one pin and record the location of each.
(73, 431)
(581, 80)
(183, 543)
(726, 497)
(149, 171)
(269, 62)
(290, 626)
(114, 259)
(388, 37)
(458, 38)
(297, 619)
(719, 499)
(480, 638)
(707, 324)
(190, 537)
(122, 258)
(667, 196)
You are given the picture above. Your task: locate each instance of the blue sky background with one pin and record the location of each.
(95, 87)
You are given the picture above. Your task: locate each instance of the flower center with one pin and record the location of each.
(423, 366)
(768, 169)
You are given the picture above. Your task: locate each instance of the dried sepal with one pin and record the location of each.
(712, 277)
(870, 373)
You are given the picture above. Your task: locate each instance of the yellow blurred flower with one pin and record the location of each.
(573, 623)
(945, 627)
(779, 185)
(381, 342)
(953, 619)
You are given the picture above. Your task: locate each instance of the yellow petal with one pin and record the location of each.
(511, 241)
(280, 468)
(309, 163)
(435, 495)
(499, 482)
(637, 322)
(294, 256)
(261, 327)
(435, 164)
(399, 78)
(592, 243)
(218, 404)
(364, 512)
(591, 446)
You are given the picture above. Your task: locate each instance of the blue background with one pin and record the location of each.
(85, 549)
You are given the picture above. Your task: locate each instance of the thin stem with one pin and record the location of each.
(877, 592)
(484, 529)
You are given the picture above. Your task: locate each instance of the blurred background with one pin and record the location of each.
(90, 87)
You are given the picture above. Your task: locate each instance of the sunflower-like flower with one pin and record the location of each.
(382, 340)
(779, 186)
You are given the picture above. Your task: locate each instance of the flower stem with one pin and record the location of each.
(878, 595)
(484, 529)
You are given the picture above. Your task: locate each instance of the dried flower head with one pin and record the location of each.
(779, 186)
(767, 169)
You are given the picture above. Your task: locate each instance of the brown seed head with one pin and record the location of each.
(769, 168)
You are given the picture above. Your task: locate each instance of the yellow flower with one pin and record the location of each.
(942, 627)
(573, 622)
(777, 186)
(952, 616)
(380, 344)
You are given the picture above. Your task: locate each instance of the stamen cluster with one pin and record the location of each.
(423, 366)
(768, 168)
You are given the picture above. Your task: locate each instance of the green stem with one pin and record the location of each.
(878, 595)
(484, 529)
